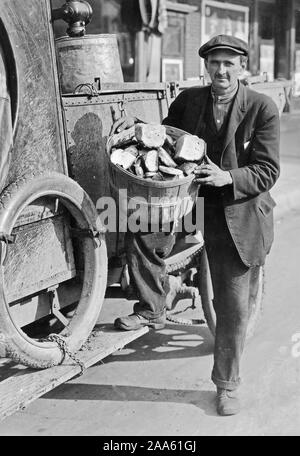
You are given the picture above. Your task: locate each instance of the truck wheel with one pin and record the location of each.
(206, 293)
(40, 352)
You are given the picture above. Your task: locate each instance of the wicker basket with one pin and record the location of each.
(159, 202)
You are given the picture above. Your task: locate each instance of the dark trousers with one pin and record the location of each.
(231, 283)
(147, 270)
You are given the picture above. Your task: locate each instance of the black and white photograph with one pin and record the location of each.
(149, 221)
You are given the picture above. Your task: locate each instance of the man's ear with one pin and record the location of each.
(244, 63)
(243, 68)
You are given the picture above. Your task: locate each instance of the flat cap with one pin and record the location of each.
(224, 42)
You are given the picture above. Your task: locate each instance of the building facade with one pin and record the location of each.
(159, 40)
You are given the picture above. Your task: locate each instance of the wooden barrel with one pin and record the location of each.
(161, 202)
(82, 59)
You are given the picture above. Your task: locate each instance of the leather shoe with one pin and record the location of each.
(137, 321)
(227, 402)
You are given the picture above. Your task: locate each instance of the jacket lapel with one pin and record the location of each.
(200, 104)
(237, 114)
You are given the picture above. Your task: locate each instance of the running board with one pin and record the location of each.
(20, 385)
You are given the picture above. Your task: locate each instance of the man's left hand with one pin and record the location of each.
(211, 174)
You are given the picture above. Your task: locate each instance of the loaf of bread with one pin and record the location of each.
(165, 158)
(150, 159)
(133, 150)
(150, 135)
(188, 167)
(122, 158)
(138, 169)
(123, 138)
(148, 152)
(171, 171)
(189, 148)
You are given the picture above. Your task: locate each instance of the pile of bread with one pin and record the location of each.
(147, 151)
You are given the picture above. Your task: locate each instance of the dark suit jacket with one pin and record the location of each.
(251, 154)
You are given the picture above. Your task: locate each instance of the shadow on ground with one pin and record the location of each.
(174, 341)
(203, 400)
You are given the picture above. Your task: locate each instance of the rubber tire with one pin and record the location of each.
(206, 293)
(18, 346)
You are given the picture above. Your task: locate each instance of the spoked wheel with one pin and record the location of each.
(28, 345)
(206, 293)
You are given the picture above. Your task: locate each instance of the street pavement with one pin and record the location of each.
(160, 384)
(286, 191)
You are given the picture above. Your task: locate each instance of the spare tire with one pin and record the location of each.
(19, 346)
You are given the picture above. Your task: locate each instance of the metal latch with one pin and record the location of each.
(91, 90)
(122, 108)
(8, 238)
(82, 232)
(55, 306)
(174, 88)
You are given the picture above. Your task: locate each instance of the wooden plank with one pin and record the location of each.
(42, 256)
(20, 385)
(36, 307)
(40, 209)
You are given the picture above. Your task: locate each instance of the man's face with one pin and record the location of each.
(224, 67)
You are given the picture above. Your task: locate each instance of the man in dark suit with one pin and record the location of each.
(241, 129)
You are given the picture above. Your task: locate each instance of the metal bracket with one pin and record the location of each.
(55, 307)
(174, 89)
(161, 95)
(122, 108)
(81, 233)
(97, 82)
(8, 238)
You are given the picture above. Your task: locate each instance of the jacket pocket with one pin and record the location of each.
(265, 216)
(266, 205)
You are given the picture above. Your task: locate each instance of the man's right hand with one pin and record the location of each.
(123, 123)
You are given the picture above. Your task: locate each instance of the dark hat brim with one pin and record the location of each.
(205, 52)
